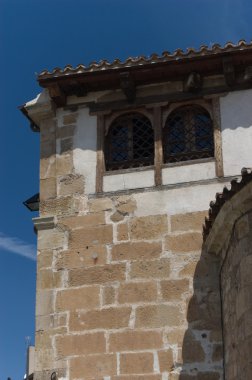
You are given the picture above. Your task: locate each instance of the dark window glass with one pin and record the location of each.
(188, 135)
(129, 143)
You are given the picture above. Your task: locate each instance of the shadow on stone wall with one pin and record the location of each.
(201, 352)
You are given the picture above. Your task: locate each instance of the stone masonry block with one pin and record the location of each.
(77, 222)
(93, 366)
(148, 227)
(137, 292)
(150, 269)
(135, 340)
(136, 251)
(153, 316)
(47, 167)
(165, 358)
(47, 188)
(97, 275)
(90, 236)
(136, 363)
(47, 279)
(111, 318)
(81, 258)
(71, 345)
(82, 298)
(71, 118)
(122, 231)
(184, 243)
(51, 239)
(64, 164)
(189, 221)
(71, 184)
(173, 290)
(100, 204)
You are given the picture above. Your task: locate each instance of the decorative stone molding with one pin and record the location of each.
(44, 223)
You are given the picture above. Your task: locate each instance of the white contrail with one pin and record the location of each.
(18, 246)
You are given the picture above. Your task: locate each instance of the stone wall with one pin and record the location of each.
(236, 283)
(231, 240)
(124, 289)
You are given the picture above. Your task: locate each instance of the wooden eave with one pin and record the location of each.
(224, 63)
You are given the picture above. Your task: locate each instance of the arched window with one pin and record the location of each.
(129, 143)
(188, 134)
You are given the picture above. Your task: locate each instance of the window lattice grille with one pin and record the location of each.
(130, 143)
(188, 135)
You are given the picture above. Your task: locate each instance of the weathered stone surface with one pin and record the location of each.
(47, 279)
(44, 259)
(51, 239)
(136, 363)
(71, 184)
(173, 290)
(217, 352)
(188, 269)
(59, 206)
(150, 269)
(76, 222)
(117, 217)
(189, 221)
(47, 167)
(90, 235)
(82, 298)
(122, 232)
(70, 345)
(100, 204)
(97, 275)
(165, 360)
(137, 377)
(54, 323)
(136, 251)
(64, 164)
(44, 302)
(175, 336)
(81, 258)
(184, 243)
(47, 188)
(93, 366)
(111, 318)
(135, 340)
(137, 292)
(148, 227)
(158, 316)
(108, 295)
(125, 204)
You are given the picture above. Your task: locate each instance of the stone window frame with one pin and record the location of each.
(158, 114)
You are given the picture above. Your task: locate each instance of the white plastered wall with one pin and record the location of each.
(236, 125)
(84, 153)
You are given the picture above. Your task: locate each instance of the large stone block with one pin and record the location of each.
(71, 345)
(122, 232)
(100, 204)
(165, 358)
(46, 279)
(153, 316)
(137, 292)
(48, 188)
(93, 366)
(90, 235)
(150, 269)
(82, 298)
(70, 184)
(136, 363)
(190, 221)
(133, 340)
(136, 251)
(76, 222)
(81, 258)
(64, 164)
(109, 318)
(148, 227)
(174, 290)
(97, 275)
(184, 243)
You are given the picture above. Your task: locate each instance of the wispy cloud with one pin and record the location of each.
(18, 246)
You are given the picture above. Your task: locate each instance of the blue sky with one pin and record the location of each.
(37, 34)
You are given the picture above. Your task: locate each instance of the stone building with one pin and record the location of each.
(131, 155)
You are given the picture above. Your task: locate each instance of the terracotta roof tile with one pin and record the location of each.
(143, 60)
(222, 198)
